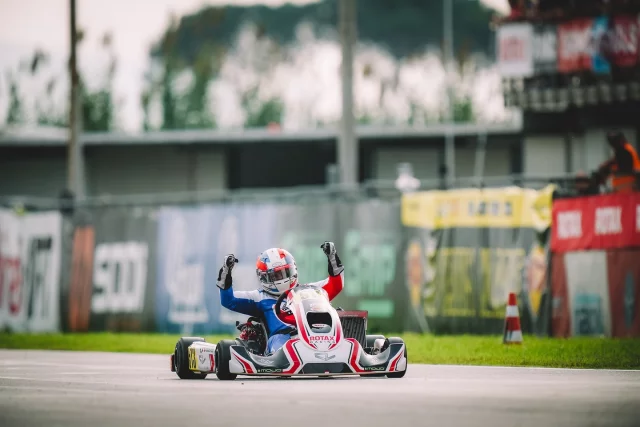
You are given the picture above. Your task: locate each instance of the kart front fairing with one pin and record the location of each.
(318, 346)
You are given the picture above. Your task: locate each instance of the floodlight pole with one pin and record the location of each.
(347, 140)
(450, 148)
(75, 164)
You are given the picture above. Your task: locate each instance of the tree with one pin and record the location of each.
(98, 106)
(463, 111)
(15, 115)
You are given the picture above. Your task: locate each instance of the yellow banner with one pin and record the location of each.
(508, 207)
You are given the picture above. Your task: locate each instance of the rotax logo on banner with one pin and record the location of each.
(608, 221)
(569, 225)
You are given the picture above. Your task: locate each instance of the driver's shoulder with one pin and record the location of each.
(261, 295)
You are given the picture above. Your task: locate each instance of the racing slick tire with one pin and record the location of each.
(181, 359)
(394, 340)
(222, 358)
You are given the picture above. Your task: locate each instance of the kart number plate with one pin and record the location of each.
(193, 361)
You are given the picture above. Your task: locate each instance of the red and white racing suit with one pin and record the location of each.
(260, 304)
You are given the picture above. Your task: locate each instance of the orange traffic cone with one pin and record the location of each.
(512, 331)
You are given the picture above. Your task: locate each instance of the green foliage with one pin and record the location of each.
(97, 107)
(97, 110)
(463, 111)
(15, 115)
(404, 27)
(261, 113)
(184, 110)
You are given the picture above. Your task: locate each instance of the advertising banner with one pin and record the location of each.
(467, 249)
(545, 49)
(595, 293)
(623, 275)
(614, 42)
(574, 45)
(606, 221)
(112, 279)
(598, 44)
(624, 43)
(370, 243)
(192, 243)
(515, 50)
(30, 249)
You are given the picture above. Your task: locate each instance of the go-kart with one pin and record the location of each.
(324, 341)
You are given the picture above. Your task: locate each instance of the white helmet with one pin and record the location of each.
(277, 271)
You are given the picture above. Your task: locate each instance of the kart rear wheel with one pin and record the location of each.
(402, 373)
(222, 358)
(181, 359)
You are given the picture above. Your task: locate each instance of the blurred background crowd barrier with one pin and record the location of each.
(429, 261)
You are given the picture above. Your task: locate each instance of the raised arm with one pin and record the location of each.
(335, 282)
(241, 302)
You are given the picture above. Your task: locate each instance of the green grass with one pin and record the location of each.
(454, 350)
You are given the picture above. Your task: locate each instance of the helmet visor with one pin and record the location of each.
(277, 274)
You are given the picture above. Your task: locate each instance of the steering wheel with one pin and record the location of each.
(286, 318)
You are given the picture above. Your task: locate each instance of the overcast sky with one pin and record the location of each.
(29, 24)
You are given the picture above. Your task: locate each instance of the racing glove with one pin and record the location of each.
(224, 275)
(335, 265)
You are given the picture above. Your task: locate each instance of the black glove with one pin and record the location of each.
(224, 275)
(335, 265)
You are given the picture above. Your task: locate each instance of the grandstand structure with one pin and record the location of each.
(572, 65)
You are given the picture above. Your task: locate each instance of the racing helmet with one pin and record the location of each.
(276, 269)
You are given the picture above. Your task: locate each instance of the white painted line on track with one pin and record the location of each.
(76, 365)
(101, 391)
(72, 382)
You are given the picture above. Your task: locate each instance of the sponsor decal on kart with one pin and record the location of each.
(322, 338)
(324, 356)
(269, 371)
(263, 360)
(319, 325)
(193, 362)
(202, 358)
(373, 368)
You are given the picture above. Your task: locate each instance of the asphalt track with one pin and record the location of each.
(39, 388)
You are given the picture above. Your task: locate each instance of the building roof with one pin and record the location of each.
(54, 137)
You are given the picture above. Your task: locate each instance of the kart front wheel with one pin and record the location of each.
(222, 358)
(401, 373)
(181, 359)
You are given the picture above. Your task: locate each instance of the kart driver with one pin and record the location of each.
(276, 269)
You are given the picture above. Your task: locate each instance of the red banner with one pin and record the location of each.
(624, 41)
(596, 293)
(599, 222)
(623, 271)
(574, 39)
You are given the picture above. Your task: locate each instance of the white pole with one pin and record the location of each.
(450, 150)
(347, 141)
